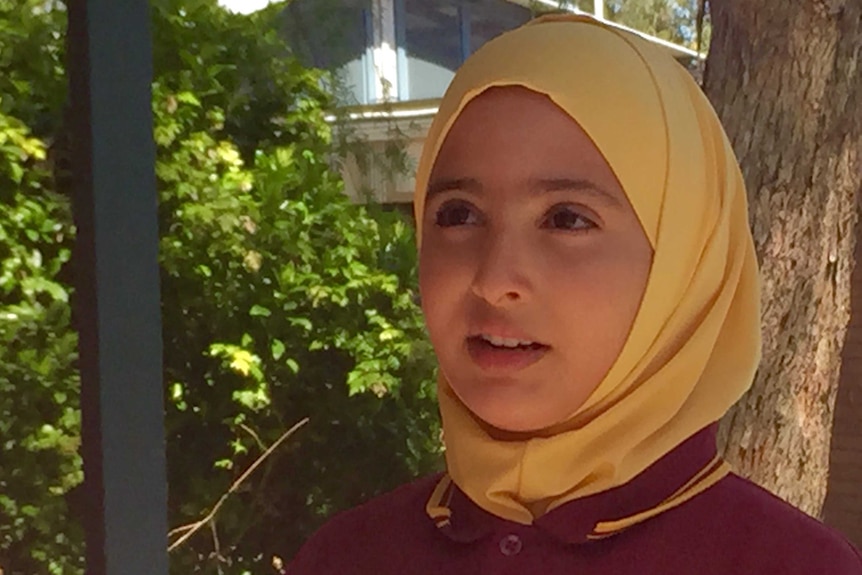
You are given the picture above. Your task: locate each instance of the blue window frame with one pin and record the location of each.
(490, 18)
(336, 36)
(434, 39)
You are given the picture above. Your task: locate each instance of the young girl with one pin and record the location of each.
(590, 287)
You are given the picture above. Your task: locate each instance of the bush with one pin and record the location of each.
(281, 300)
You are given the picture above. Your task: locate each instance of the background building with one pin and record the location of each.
(394, 60)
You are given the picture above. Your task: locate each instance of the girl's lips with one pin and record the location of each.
(501, 360)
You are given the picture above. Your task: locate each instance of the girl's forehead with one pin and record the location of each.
(505, 120)
(512, 136)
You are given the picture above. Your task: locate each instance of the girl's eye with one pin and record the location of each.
(566, 218)
(456, 213)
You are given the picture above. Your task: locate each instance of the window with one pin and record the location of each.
(335, 35)
(434, 39)
(429, 40)
(490, 18)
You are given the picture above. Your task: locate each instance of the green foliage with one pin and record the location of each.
(39, 416)
(671, 20)
(241, 66)
(32, 55)
(281, 300)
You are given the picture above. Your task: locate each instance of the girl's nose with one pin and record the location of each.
(501, 271)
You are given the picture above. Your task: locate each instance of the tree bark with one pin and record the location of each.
(785, 79)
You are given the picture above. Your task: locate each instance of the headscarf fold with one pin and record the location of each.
(695, 342)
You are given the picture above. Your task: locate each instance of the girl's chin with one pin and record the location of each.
(508, 419)
(512, 408)
(513, 429)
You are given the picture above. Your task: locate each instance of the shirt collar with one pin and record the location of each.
(462, 520)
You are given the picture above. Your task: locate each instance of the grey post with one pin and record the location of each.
(117, 287)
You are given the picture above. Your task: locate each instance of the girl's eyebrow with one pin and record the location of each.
(588, 187)
(537, 185)
(464, 184)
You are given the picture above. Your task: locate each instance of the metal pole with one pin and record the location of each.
(464, 30)
(117, 287)
(385, 55)
(402, 69)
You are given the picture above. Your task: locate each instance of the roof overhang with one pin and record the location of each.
(405, 110)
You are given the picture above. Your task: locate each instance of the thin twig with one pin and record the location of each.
(253, 434)
(260, 495)
(217, 548)
(191, 530)
(177, 530)
(216, 545)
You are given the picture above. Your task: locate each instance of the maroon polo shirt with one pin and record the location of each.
(734, 527)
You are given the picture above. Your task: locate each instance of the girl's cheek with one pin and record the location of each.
(444, 276)
(437, 273)
(565, 260)
(435, 270)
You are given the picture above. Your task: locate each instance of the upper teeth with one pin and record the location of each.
(504, 341)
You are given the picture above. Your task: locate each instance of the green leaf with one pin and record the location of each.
(293, 365)
(277, 349)
(259, 311)
(189, 98)
(302, 322)
(177, 391)
(389, 334)
(16, 172)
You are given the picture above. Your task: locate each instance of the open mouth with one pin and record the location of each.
(494, 353)
(504, 343)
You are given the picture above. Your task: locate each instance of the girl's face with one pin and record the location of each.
(533, 263)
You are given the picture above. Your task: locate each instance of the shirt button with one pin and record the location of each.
(510, 545)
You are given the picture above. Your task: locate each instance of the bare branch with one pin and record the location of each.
(216, 547)
(194, 527)
(177, 530)
(256, 437)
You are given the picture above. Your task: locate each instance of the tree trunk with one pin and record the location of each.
(783, 76)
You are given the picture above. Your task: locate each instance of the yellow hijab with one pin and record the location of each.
(695, 343)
